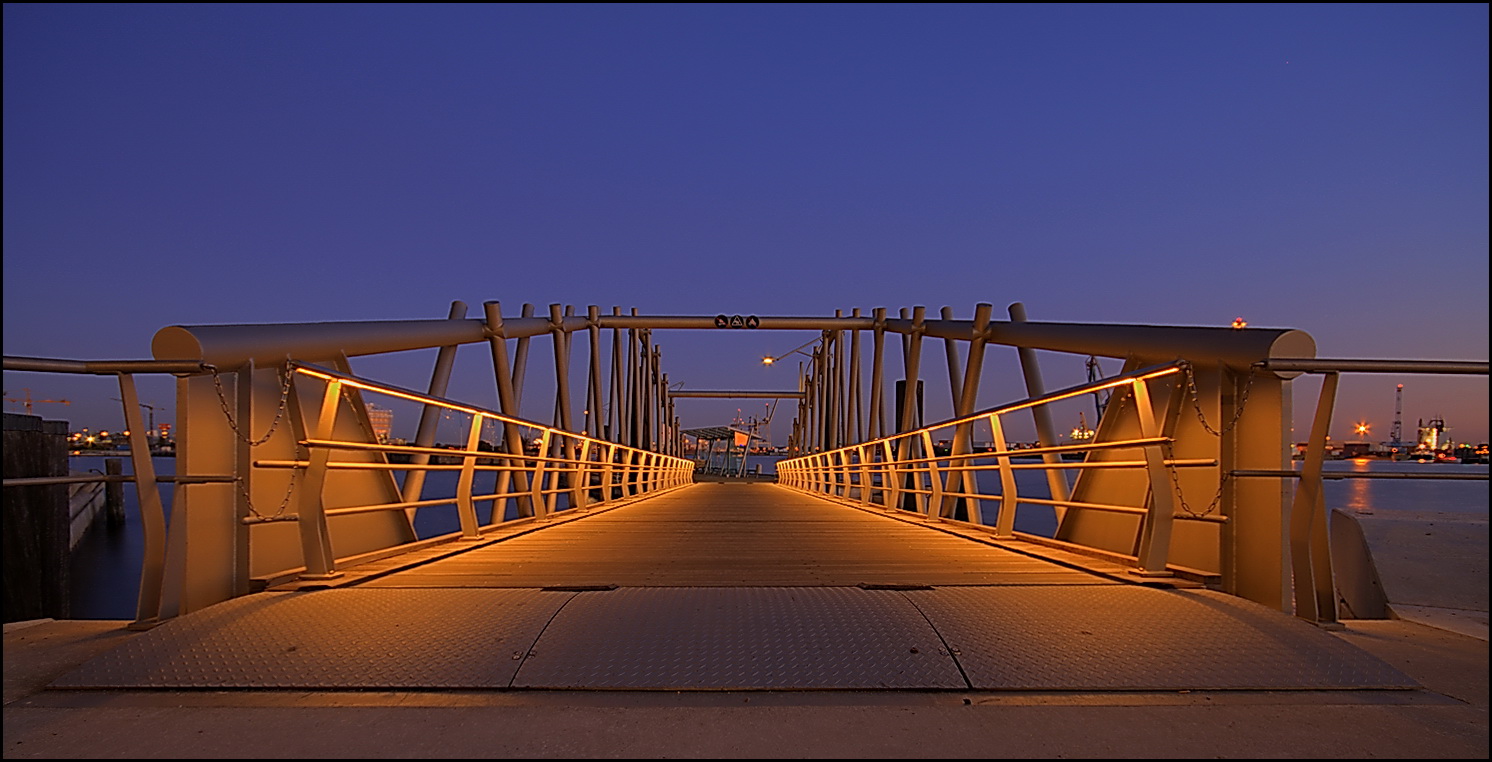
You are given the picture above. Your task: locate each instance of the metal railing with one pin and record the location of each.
(145, 479)
(1312, 573)
(565, 471)
(910, 471)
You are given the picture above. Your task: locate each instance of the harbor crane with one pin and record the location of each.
(29, 402)
(1396, 435)
(151, 408)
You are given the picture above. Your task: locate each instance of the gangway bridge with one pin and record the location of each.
(1187, 551)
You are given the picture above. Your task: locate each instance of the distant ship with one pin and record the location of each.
(1080, 434)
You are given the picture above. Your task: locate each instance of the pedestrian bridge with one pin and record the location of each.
(1187, 552)
(739, 587)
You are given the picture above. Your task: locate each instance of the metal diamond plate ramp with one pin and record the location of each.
(740, 638)
(1137, 638)
(334, 639)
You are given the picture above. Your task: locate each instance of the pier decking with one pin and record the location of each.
(740, 587)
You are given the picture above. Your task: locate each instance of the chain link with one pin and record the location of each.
(1191, 385)
(284, 502)
(289, 379)
(217, 382)
(1196, 402)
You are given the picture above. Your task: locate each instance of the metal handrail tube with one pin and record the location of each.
(41, 481)
(1354, 475)
(1115, 445)
(103, 367)
(1324, 365)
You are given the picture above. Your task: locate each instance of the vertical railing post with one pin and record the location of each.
(152, 510)
(315, 542)
(1310, 553)
(891, 482)
(607, 471)
(541, 506)
(1155, 532)
(862, 455)
(930, 506)
(466, 509)
(1009, 500)
(580, 495)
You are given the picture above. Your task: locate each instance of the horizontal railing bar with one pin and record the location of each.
(738, 394)
(42, 481)
(103, 367)
(1356, 475)
(881, 467)
(1323, 365)
(567, 466)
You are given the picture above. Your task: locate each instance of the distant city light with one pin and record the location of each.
(1239, 322)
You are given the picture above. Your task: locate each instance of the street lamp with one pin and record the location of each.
(768, 360)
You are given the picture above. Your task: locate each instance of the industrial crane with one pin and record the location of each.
(151, 432)
(1396, 436)
(29, 402)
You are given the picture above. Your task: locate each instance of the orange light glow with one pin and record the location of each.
(768, 360)
(1239, 322)
(1361, 428)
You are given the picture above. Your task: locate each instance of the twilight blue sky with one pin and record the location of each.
(1320, 167)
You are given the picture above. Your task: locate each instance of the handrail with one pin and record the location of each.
(893, 471)
(587, 471)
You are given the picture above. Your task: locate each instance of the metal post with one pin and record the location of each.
(1155, 532)
(1046, 434)
(856, 411)
(440, 377)
(466, 509)
(912, 361)
(950, 347)
(152, 510)
(1310, 556)
(1009, 500)
(541, 507)
(561, 341)
(593, 402)
(615, 420)
(315, 543)
(964, 403)
(507, 402)
(877, 423)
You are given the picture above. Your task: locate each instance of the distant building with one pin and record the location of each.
(383, 422)
(1432, 436)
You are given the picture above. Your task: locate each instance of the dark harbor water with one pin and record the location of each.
(106, 564)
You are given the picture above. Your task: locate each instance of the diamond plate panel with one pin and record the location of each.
(1137, 638)
(740, 638)
(334, 639)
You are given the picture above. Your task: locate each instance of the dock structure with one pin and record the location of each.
(879, 599)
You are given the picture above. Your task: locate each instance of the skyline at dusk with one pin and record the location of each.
(1317, 167)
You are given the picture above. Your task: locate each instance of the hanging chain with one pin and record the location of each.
(217, 382)
(1176, 482)
(1196, 401)
(284, 502)
(1191, 386)
(289, 379)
